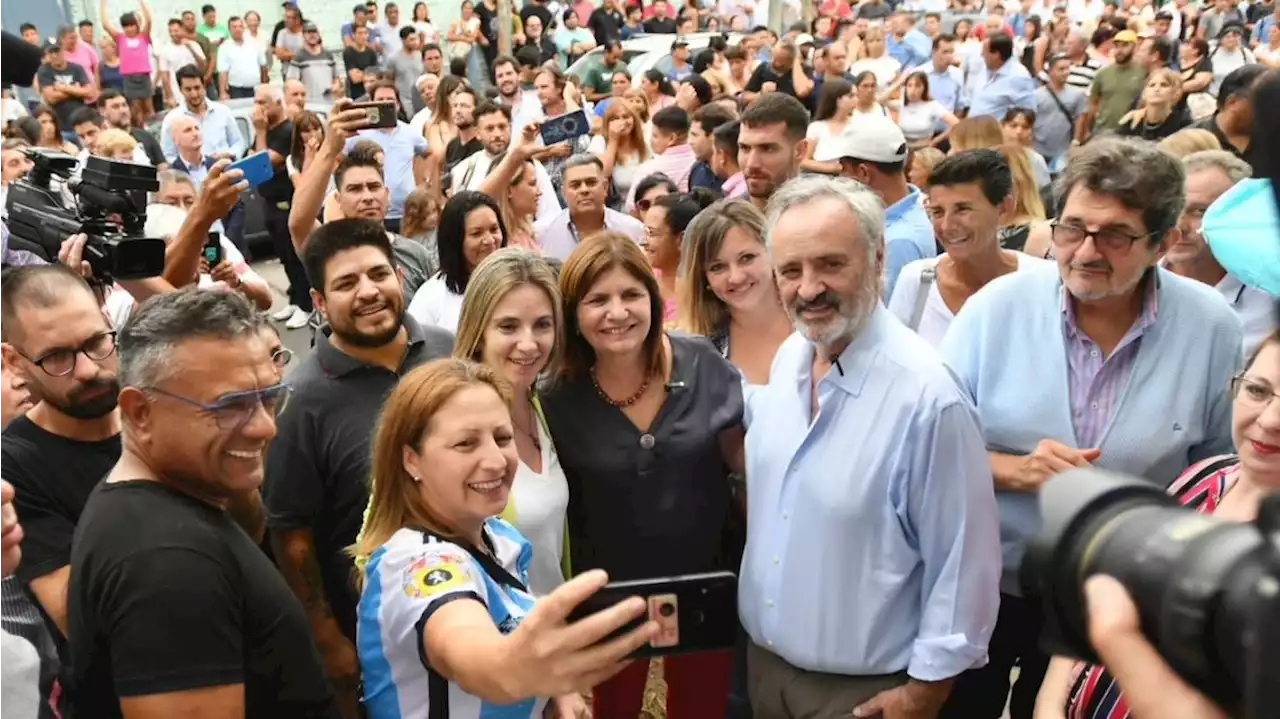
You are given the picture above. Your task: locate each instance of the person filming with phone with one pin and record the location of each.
(446, 623)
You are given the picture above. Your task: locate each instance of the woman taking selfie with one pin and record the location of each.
(727, 290)
(470, 230)
(1230, 487)
(446, 624)
(511, 323)
(648, 426)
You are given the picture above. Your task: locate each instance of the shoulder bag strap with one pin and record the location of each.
(1071, 122)
(927, 276)
(471, 170)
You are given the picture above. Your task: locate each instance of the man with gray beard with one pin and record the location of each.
(860, 420)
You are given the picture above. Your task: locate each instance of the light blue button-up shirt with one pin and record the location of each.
(872, 543)
(217, 130)
(947, 87)
(908, 236)
(1000, 91)
(914, 48)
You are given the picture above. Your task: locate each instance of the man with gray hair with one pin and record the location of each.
(199, 395)
(585, 187)
(860, 419)
(1068, 366)
(1210, 174)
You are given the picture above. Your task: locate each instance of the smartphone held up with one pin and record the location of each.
(694, 613)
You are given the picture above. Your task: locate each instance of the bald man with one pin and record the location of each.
(295, 97)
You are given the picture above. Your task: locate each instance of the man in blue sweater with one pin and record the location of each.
(1105, 360)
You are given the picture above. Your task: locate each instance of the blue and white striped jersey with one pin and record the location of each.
(407, 579)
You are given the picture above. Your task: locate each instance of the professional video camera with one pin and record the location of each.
(107, 203)
(1207, 590)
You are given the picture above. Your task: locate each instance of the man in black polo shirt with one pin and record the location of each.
(318, 467)
(605, 22)
(784, 73)
(1232, 124)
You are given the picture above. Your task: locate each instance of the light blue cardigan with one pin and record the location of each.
(1008, 348)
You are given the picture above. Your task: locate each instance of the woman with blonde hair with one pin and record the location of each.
(648, 425)
(639, 102)
(726, 288)
(511, 322)
(1028, 208)
(976, 133)
(920, 163)
(513, 181)
(445, 617)
(1189, 140)
(114, 144)
(873, 56)
(1161, 114)
(621, 145)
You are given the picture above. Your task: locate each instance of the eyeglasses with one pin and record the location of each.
(1107, 238)
(233, 411)
(1252, 393)
(62, 362)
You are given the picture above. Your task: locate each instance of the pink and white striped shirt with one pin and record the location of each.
(676, 163)
(1096, 382)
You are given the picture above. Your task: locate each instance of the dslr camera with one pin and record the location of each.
(1207, 590)
(107, 203)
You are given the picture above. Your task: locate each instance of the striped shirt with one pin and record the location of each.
(409, 578)
(1081, 75)
(1097, 382)
(1094, 693)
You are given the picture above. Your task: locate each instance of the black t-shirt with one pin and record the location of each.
(155, 154)
(169, 594)
(1177, 120)
(765, 73)
(318, 466)
(52, 478)
(361, 60)
(665, 26)
(488, 28)
(543, 14)
(72, 74)
(457, 151)
(1210, 123)
(279, 188)
(605, 24)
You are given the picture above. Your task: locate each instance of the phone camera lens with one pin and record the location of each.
(667, 609)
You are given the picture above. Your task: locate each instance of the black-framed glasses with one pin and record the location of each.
(1252, 392)
(62, 362)
(233, 411)
(1107, 238)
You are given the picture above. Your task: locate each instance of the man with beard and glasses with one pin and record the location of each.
(317, 471)
(860, 419)
(1069, 367)
(55, 335)
(771, 144)
(362, 192)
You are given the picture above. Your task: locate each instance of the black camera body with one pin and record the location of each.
(1207, 590)
(108, 204)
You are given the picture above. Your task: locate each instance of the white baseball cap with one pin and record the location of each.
(874, 139)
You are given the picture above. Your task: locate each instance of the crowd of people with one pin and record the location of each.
(776, 313)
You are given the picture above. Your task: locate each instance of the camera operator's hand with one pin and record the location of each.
(1151, 687)
(71, 254)
(567, 706)
(219, 192)
(1049, 458)
(344, 123)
